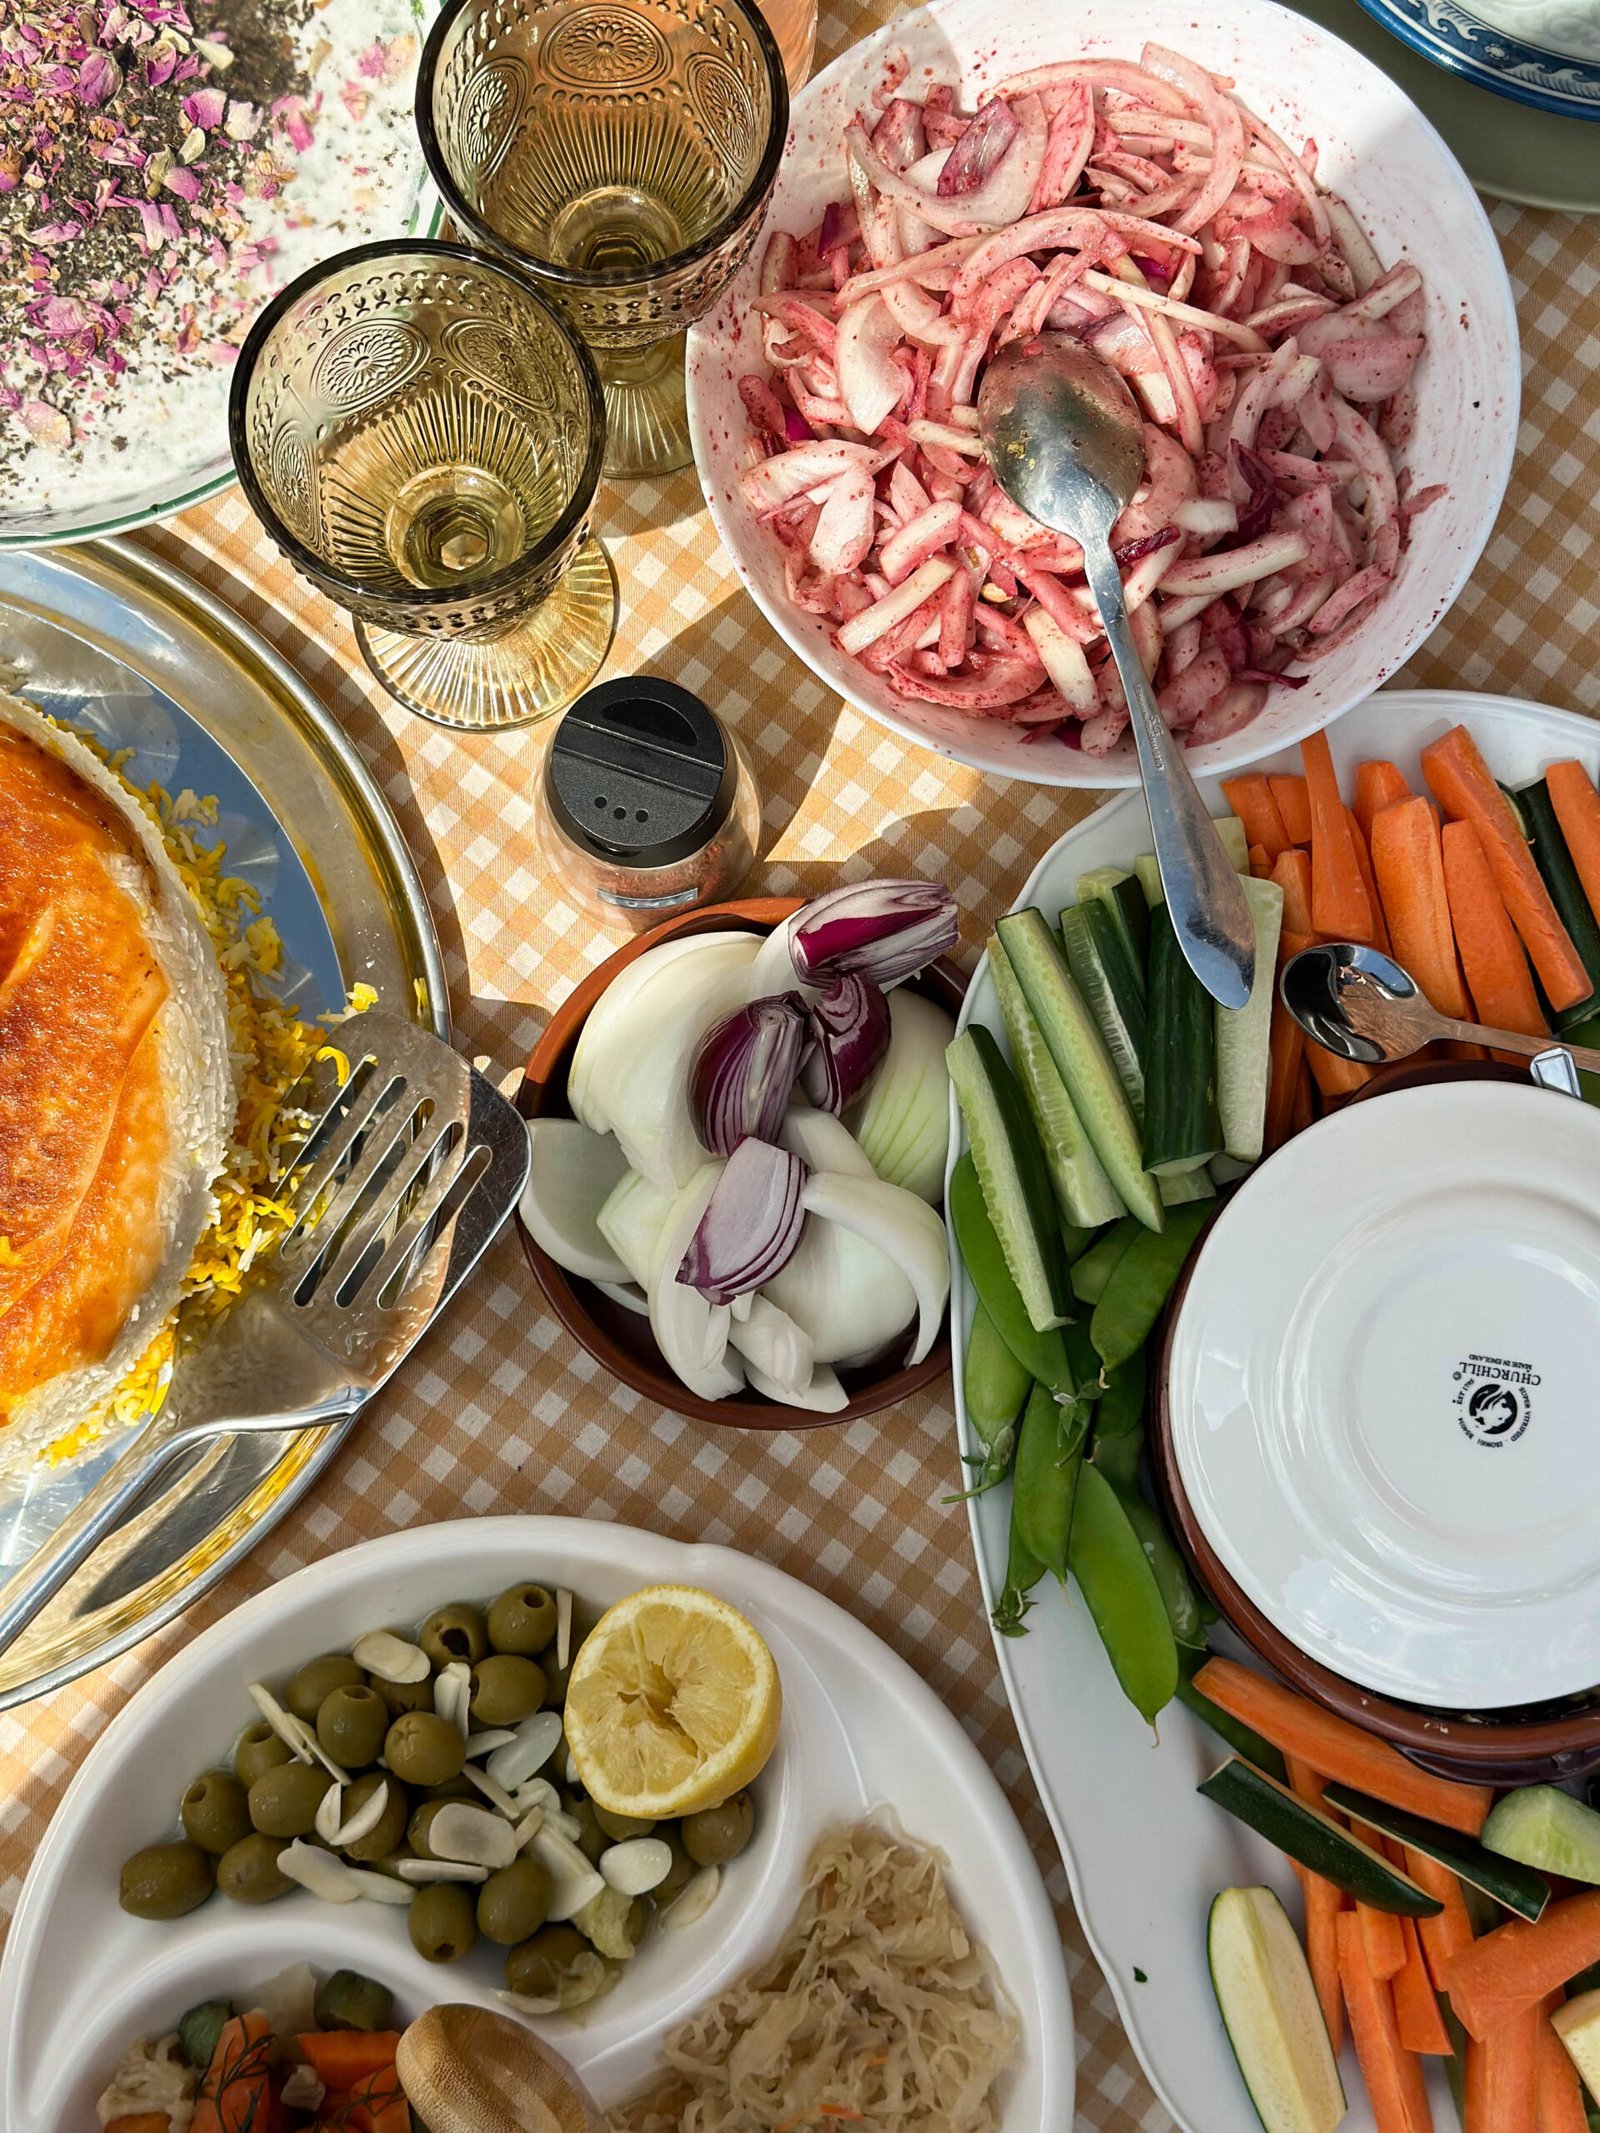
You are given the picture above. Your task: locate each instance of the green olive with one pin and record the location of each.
(460, 1787)
(620, 1827)
(248, 1871)
(718, 1834)
(422, 1820)
(443, 1921)
(284, 1801)
(522, 1621)
(259, 1749)
(215, 1812)
(400, 1696)
(591, 1839)
(506, 1690)
(347, 2000)
(166, 1880)
(515, 1902)
(316, 1682)
(388, 1833)
(422, 1748)
(537, 1966)
(351, 1725)
(681, 1872)
(455, 1632)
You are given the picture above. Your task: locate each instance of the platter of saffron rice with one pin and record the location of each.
(199, 882)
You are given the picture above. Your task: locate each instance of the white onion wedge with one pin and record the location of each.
(573, 1171)
(898, 1224)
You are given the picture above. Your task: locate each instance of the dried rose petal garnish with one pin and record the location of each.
(1143, 208)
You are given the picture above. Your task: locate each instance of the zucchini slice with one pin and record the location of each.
(1104, 974)
(1240, 1738)
(1085, 1195)
(1578, 2026)
(1076, 1046)
(1182, 1126)
(1270, 2010)
(1301, 1832)
(1517, 1887)
(1244, 1034)
(1544, 1827)
(1011, 1169)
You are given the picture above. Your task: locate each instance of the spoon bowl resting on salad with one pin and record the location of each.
(618, 1334)
(1414, 251)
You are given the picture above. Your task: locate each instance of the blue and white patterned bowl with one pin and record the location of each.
(1495, 56)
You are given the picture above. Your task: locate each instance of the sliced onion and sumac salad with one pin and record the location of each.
(1145, 209)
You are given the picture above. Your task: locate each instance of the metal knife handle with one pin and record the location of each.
(1209, 912)
(109, 1505)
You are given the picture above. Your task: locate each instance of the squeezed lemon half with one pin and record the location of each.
(672, 1705)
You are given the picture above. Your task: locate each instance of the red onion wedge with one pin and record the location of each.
(751, 1225)
(850, 1034)
(880, 930)
(744, 1070)
(1143, 207)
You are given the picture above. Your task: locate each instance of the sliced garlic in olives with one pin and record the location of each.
(698, 1896)
(424, 1870)
(637, 1865)
(366, 1817)
(528, 1828)
(573, 1881)
(569, 1825)
(326, 1820)
(318, 1871)
(461, 1831)
(538, 1792)
(481, 1744)
(528, 2003)
(563, 1630)
(496, 1795)
(391, 1658)
(382, 1888)
(452, 1694)
(295, 1734)
(570, 1772)
(537, 1740)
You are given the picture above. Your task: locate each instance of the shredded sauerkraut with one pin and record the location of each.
(878, 2010)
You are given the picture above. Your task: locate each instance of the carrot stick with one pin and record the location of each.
(1378, 785)
(1339, 906)
(1323, 1903)
(1334, 1076)
(1304, 1111)
(343, 2057)
(1251, 800)
(1260, 862)
(1380, 930)
(1286, 1053)
(1449, 1930)
(1461, 782)
(1501, 2073)
(1395, 2086)
(1336, 1749)
(1410, 870)
(1294, 806)
(1559, 2091)
(1291, 870)
(1513, 1968)
(1382, 1941)
(235, 2091)
(1416, 2011)
(1496, 969)
(1577, 807)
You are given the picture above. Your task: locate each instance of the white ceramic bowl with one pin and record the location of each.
(80, 1979)
(1375, 148)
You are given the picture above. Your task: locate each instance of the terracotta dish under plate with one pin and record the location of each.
(1537, 1744)
(621, 1339)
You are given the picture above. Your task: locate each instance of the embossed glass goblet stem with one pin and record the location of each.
(621, 152)
(421, 434)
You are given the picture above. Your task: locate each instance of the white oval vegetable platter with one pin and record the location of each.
(81, 1980)
(1144, 1853)
(1375, 148)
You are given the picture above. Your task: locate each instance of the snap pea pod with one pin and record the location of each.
(995, 1387)
(1023, 1572)
(1119, 1424)
(1042, 1355)
(1178, 1596)
(1120, 1589)
(1142, 1280)
(1092, 1269)
(1049, 1455)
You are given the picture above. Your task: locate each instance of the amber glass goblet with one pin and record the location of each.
(622, 153)
(421, 433)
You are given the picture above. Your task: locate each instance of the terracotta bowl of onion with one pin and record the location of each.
(817, 1274)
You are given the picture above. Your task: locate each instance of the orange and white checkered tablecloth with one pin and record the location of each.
(498, 1410)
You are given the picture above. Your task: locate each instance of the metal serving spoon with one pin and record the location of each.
(1063, 437)
(1364, 1006)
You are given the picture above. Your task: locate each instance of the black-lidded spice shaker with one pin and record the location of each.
(647, 805)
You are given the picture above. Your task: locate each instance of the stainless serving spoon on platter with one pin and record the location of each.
(1063, 437)
(1363, 1005)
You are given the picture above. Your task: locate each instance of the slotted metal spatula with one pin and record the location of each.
(408, 1168)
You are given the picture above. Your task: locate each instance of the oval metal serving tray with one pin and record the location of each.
(110, 637)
